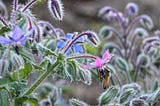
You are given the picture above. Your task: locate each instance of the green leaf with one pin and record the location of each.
(26, 54)
(4, 29)
(108, 96)
(22, 100)
(155, 85)
(4, 98)
(6, 80)
(126, 95)
(17, 88)
(122, 64)
(21, 74)
(76, 102)
(46, 50)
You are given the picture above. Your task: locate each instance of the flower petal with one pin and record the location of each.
(86, 66)
(69, 36)
(26, 36)
(61, 44)
(4, 40)
(106, 56)
(99, 62)
(68, 51)
(78, 48)
(17, 33)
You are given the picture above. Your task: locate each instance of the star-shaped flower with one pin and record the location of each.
(17, 37)
(100, 62)
(76, 47)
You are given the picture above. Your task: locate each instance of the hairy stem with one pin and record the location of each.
(132, 44)
(28, 5)
(82, 56)
(40, 79)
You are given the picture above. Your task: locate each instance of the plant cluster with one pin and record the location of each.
(33, 50)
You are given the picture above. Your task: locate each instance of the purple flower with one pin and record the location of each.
(17, 37)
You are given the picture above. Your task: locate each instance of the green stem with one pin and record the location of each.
(40, 79)
(128, 76)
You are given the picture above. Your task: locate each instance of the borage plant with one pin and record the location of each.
(32, 47)
(130, 59)
(135, 54)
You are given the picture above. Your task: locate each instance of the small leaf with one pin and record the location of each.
(26, 100)
(26, 54)
(126, 96)
(144, 60)
(4, 98)
(111, 46)
(108, 96)
(4, 30)
(46, 50)
(21, 74)
(156, 85)
(76, 102)
(122, 64)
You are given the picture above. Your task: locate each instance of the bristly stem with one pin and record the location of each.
(137, 70)
(40, 79)
(82, 56)
(73, 41)
(132, 44)
(28, 5)
(116, 34)
(15, 4)
(133, 24)
(3, 21)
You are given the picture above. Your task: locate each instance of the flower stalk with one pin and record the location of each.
(41, 78)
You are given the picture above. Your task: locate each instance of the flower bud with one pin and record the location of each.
(132, 8)
(3, 66)
(105, 32)
(143, 60)
(147, 22)
(92, 37)
(56, 9)
(138, 102)
(104, 10)
(141, 32)
(17, 61)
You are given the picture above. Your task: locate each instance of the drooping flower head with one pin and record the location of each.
(17, 37)
(76, 47)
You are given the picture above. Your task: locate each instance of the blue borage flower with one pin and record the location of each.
(76, 47)
(17, 37)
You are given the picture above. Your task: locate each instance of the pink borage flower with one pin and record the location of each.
(100, 62)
